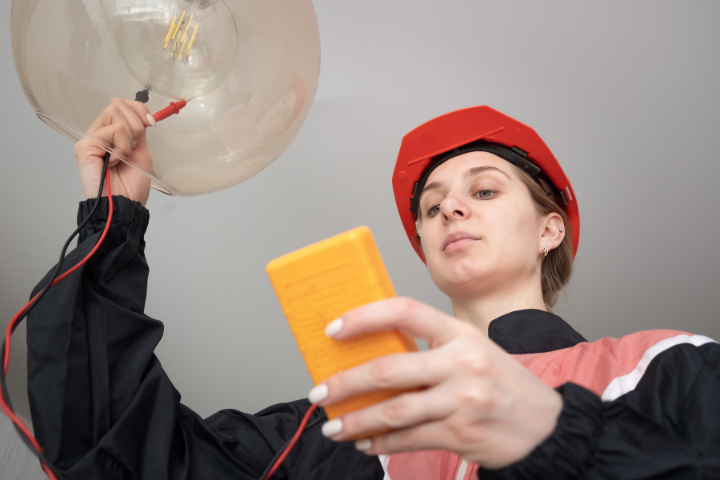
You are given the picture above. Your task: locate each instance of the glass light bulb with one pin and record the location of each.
(251, 66)
(177, 48)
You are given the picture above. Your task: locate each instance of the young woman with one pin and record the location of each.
(507, 389)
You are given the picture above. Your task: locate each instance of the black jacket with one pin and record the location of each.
(103, 407)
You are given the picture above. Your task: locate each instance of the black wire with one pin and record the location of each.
(321, 418)
(3, 386)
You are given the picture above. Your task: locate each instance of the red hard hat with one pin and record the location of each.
(487, 130)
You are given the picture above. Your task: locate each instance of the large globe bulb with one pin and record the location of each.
(251, 68)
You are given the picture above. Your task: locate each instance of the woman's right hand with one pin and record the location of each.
(472, 397)
(121, 124)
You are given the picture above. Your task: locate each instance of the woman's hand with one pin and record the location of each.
(478, 402)
(121, 124)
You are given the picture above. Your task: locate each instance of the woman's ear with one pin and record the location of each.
(553, 231)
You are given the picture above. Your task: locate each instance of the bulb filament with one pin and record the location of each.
(180, 40)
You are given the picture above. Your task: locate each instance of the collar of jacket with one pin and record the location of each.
(532, 331)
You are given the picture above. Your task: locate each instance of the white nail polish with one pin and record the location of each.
(333, 427)
(151, 120)
(318, 394)
(363, 444)
(333, 327)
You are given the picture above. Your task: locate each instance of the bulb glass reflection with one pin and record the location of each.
(251, 68)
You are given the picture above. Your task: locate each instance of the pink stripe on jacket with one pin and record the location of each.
(590, 365)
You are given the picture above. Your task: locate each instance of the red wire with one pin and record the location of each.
(292, 443)
(19, 314)
(8, 334)
(175, 107)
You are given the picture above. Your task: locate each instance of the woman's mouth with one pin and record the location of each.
(456, 241)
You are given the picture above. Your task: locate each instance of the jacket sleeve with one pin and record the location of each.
(102, 405)
(667, 427)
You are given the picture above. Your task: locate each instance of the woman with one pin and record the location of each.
(506, 384)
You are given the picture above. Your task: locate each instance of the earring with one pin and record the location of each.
(562, 229)
(545, 250)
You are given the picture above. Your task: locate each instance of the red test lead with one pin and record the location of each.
(172, 109)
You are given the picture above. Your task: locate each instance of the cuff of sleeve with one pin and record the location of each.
(126, 212)
(568, 451)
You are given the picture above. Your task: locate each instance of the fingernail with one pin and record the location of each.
(151, 120)
(363, 444)
(134, 143)
(318, 394)
(333, 327)
(332, 428)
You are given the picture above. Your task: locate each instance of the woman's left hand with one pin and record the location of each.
(477, 401)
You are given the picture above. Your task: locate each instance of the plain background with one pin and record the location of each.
(624, 93)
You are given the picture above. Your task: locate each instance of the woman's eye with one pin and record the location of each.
(484, 194)
(434, 210)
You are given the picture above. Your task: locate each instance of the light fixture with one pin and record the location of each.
(253, 63)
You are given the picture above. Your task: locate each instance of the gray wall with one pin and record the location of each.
(16, 461)
(625, 93)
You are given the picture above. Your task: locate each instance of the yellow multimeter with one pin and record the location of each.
(316, 285)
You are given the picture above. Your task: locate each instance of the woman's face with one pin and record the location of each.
(480, 230)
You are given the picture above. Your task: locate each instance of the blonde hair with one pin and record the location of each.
(557, 266)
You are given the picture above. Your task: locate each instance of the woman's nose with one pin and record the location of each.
(454, 209)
